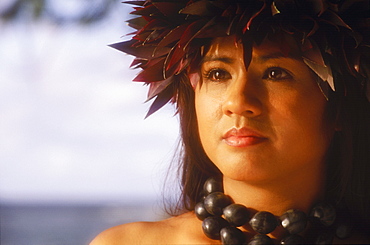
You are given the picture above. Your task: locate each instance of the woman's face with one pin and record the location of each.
(264, 122)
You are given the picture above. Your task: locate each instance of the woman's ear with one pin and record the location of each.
(194, 79)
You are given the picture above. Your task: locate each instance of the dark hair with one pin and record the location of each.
(196, 167)
(348, 182)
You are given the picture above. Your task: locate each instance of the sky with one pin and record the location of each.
(72, 125)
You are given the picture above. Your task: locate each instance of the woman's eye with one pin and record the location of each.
(217, 75)
(276, 73)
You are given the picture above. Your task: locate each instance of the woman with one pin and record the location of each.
(273, 99)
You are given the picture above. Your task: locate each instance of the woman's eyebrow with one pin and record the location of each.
(276, 55)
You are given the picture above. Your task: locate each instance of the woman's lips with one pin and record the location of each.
(242, 137)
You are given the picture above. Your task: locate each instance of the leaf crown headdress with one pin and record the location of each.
(334, 38)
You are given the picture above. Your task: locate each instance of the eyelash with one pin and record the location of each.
(210, 73)
(285, 73)
(267, 74)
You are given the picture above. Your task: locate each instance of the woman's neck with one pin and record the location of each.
(298, 192)
(277, 197)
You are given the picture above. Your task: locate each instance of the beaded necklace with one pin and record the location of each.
(221, 217)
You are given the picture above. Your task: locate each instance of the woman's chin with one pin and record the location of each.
(252, 173)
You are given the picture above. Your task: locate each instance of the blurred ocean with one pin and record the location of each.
(67, 224)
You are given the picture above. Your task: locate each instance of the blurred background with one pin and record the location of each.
(76, 155)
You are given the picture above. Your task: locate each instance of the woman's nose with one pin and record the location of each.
(242, 98)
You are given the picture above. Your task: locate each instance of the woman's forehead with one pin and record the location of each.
(229, 46)
(224, 45)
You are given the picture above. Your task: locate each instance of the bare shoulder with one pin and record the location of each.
(124, 234)
(174, 230)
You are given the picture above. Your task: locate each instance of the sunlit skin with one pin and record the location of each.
(264, 127)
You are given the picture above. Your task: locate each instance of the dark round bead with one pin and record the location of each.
(260, 239)
(236, 214)
(216, 202)
(212, 226)
(263, 222)
(200, 211)
(212, 185)
(293, 239)
(324, 238)
(294, 221)
(232, 235)
(343, 230)
(325, 213)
